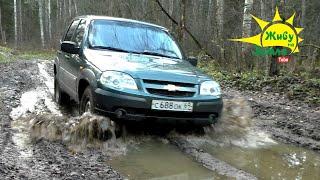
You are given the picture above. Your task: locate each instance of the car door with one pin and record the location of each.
(66, 77)
(76, 60)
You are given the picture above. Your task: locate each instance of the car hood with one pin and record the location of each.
(145, 66)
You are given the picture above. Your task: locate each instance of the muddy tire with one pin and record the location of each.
(121, 130)
(87, 102)
(59, 96)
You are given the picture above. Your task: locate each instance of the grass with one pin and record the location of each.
(9, 55)
(5, 49)
(5, 54)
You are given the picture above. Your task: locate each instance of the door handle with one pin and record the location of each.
(67, 56)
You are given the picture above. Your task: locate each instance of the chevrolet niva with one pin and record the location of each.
(132, 71)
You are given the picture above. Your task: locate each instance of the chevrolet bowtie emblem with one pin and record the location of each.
(171, 87)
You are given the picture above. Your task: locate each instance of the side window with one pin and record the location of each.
(80, 32)
(71, 30)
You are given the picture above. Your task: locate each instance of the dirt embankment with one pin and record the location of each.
(40, 159)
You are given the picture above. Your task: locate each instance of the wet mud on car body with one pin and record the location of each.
(131, 70)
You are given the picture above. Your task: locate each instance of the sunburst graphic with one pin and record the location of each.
(278, 32)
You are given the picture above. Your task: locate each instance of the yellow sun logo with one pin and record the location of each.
(276, 33)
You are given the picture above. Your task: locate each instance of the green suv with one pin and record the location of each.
(132, 71)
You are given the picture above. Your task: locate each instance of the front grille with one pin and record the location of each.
(148, 81)
(160, 88)
(162, 92)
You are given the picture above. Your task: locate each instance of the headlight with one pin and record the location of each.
(210, 88)
(118, 80)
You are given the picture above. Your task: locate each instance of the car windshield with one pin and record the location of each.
(132, 37)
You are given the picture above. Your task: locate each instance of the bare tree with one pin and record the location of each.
(246, 23)
(209, 15)
(274, 69)
(303, 12)
(220, 22)
(40, 2)
(49, 19)
(185, 29)
(264, 16)
(15, 23)
(171, 7)
(182, 22)
(64, 12)
(20, 34)
(75, 7)
(2, 32)
(70, 8)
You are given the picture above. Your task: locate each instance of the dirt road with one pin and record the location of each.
(23, 158)
(41, 159)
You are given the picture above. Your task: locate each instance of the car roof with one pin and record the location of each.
(94, 17)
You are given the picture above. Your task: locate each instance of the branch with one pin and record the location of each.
(312, 45)
(166, 13)
(185, 28)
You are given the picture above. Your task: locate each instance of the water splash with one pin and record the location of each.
(236, 119)
(236, 127)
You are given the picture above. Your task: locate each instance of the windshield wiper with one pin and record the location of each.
(110, 48)
(157, 54)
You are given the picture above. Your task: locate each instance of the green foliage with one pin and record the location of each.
(2, 58)
(299, 87)
(5, 54)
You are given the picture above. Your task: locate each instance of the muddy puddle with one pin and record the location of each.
(278, 161)
(160, 161)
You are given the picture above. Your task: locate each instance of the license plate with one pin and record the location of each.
(172, 105)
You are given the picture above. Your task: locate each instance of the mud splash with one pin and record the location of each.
(236, 127)
(78, 133)
(236, 119)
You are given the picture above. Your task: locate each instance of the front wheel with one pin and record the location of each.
(87, 102)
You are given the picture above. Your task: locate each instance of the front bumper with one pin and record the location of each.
(137, 107)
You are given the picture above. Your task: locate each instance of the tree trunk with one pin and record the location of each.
(314, 58)
(246, 30)
(171, 9)
(264, 16)
(15, 24)
(49, 19)
(75, 7)
(274, 69)
(20, 34)
(40, 2)
(209, 16)
(64, 12)
(303, 13)
(70, 8)
(182, 21)
(220, 22)
(1, 30)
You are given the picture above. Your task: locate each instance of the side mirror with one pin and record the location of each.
(70, 47)
(193, 61)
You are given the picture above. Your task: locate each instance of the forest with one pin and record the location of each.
(28, 24)
(203, 28)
